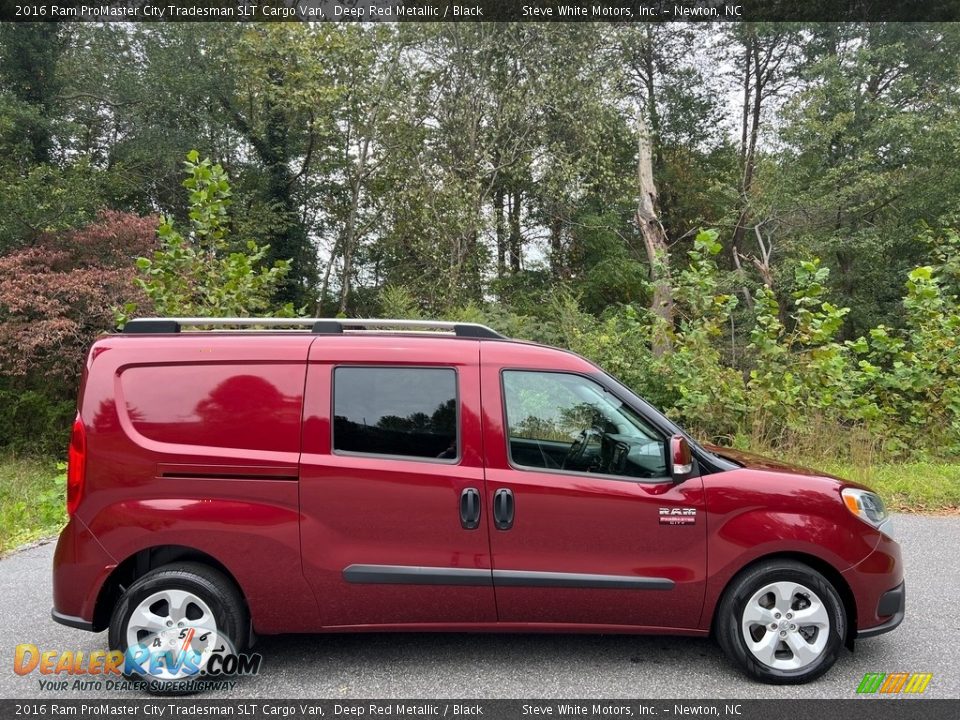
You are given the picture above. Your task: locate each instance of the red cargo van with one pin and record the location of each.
(356, 475)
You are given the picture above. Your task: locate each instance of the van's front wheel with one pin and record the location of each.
(173, 621)
(782, 622)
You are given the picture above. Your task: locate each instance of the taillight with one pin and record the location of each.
(76, 465)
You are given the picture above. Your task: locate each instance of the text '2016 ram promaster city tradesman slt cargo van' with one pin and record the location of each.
(419, 475)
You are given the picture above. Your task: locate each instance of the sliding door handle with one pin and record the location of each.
(470, 509)
(503, 509)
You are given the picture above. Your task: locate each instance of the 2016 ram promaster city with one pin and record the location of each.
(416, 475)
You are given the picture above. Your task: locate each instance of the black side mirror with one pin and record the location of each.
(681, 458)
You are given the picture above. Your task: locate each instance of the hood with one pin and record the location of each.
(759, 462)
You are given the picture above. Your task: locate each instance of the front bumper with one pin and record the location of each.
(893, 604)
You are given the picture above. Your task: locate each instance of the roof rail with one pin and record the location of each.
(325, 326)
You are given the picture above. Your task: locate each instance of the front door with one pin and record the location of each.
(589, 528)
(391, 480)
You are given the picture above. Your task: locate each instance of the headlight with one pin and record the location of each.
(865, 505)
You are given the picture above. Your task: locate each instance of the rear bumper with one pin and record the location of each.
(893, 604)
(80, 567)
(72, 621)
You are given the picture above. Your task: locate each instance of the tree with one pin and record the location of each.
(197, 274)
(865, 163)
(655, 241)
(767, 60)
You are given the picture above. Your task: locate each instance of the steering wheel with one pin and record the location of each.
(576, 451)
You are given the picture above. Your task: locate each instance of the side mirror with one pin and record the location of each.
(681, 458)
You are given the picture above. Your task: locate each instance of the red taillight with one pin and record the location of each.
(76, 465)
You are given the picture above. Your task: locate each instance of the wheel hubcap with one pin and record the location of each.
(178, 629)
(785, 625)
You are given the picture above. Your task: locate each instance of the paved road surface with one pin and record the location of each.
(533, 666)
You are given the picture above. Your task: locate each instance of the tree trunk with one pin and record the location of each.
(557, 263)
(515, 239)
(748, 134)
(498, 203)
(655, 242)
(349, 238)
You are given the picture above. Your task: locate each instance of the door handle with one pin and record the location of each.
(470, 509)
(503, 509)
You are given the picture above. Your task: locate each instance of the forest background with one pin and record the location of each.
(754, 226)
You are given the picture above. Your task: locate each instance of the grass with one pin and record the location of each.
(32, 491)
(905, 487)
(31, 500)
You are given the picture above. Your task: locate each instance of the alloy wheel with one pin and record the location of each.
(785, 625)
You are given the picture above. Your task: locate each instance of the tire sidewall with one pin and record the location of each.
(218, 599)
(732, 639)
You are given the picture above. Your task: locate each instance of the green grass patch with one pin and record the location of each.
(905, 487)
(32, 500)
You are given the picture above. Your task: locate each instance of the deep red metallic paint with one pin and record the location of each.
(391, 511)
(579, 523)
(221, 443)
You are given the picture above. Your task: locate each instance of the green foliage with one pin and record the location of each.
(197, 274)
(426, 170)
(34, 420)
(399, 303)
(894, 393)
(32, 499)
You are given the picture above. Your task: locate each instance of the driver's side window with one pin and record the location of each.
(564, 422)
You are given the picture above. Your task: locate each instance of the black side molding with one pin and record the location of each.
(528, 578)
(419, 575)
(71, 621)
(415, 575)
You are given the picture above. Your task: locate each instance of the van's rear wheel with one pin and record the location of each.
(172, 621)
(782, 622)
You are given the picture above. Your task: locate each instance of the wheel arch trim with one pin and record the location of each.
(831, 573)
(143, 561)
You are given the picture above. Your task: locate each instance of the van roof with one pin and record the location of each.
(324, 326)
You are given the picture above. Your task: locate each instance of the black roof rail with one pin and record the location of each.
(151, 325)
(324, 326)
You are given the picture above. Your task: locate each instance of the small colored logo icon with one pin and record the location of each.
(892, 683)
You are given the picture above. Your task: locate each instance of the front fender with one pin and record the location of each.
(753, 514)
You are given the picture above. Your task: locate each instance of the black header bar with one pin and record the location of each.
(619, 11)
(468, 709)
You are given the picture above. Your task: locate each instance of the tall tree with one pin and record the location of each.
(766, 57)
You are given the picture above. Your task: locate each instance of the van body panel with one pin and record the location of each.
(222, 443)
(166, 418)
(393, 513)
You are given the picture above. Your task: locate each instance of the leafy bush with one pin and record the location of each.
(894, 393)
(56, 297)
(200, 273)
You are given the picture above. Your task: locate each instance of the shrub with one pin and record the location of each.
(200, 273)
(55, 299)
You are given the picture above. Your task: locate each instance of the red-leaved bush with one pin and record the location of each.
(59, 294)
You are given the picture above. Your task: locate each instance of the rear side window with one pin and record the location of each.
(243, 406)
(408, 412)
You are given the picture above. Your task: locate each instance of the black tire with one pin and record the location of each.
(728, 620)
(213, 587)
